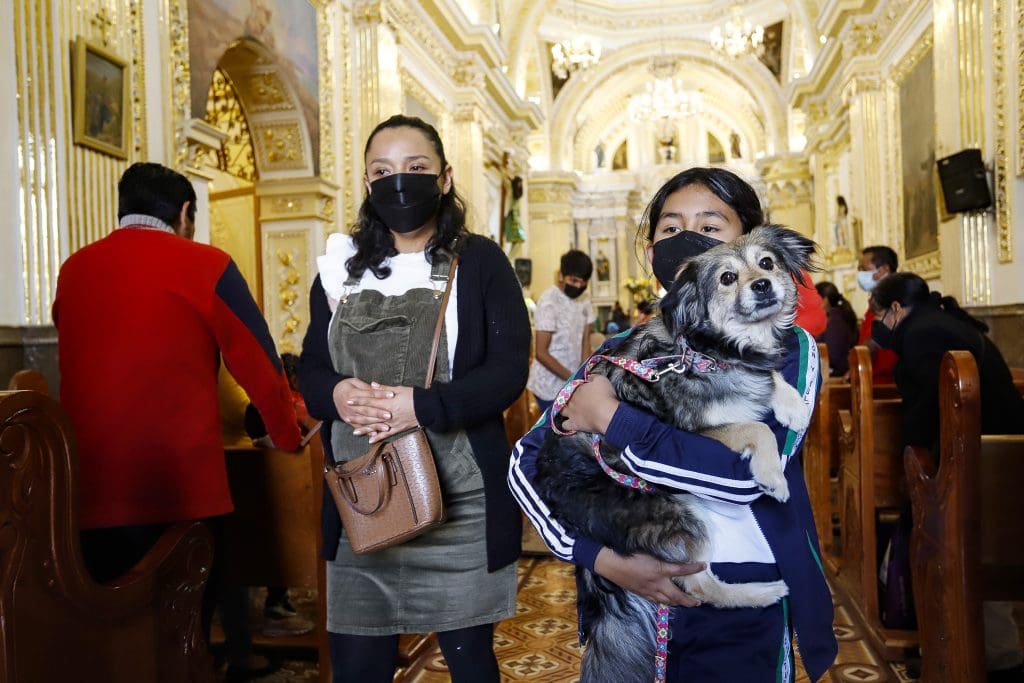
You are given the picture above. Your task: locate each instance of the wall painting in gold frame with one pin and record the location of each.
(100, 89)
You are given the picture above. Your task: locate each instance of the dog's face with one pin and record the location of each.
(743, 291)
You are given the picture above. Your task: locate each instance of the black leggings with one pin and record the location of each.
(469, 653)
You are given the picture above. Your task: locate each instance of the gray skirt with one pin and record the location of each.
(435, 582)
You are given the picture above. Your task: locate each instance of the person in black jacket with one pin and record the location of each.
(373, 309)
(921, 326)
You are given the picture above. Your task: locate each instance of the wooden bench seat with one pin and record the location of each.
(56, 623)
(966, 542)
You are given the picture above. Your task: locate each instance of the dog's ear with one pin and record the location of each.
(681, 307)
(794, 250)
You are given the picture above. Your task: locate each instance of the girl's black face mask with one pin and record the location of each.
(405, 201)
(671, 253)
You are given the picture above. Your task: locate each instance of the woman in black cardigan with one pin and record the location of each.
(372, 313)
(921, 326)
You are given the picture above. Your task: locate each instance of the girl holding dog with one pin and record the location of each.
(759, 540)
(372, 314)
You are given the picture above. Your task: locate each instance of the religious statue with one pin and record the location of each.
(841, 227)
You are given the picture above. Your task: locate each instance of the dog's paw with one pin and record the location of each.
(789, 406)
(768, 473)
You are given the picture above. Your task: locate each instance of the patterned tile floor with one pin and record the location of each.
(539, 645)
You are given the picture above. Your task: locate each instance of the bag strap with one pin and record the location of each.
(440, 321)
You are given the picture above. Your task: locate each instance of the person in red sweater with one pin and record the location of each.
(875, 263)
(144, 316)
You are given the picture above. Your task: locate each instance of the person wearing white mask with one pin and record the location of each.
(876, 263)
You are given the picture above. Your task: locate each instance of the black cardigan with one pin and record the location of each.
(490, 370)
(921, 340)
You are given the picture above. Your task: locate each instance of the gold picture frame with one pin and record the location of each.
(101, 110)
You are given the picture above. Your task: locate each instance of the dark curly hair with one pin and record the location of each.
(375, 243)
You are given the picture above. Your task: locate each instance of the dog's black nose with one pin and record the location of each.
(762, 286)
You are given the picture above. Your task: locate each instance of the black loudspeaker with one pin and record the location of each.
(964, 185)
(524, 271)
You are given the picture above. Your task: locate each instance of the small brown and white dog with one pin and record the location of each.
(734, 304)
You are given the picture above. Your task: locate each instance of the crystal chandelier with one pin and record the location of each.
(575, 54)
(664, 98)
(738, 36)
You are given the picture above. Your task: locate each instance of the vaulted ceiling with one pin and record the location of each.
(741, 95)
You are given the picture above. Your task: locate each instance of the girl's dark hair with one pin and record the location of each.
(726, 185)
(835, 298)
(375, 243)
(911, 290)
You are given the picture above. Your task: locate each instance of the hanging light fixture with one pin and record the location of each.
(664, 98)
(738, 36)
(575, 54)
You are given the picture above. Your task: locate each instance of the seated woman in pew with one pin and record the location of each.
(926, 324)
(841, 329)
(921, 325)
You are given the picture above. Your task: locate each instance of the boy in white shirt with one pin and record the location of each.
(562, 322)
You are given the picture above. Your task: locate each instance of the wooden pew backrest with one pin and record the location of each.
(870, 480)
(1001, 482)
(965, 546)
(56, 623)
(29, 380)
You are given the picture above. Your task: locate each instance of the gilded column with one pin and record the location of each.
(549, 227)
(872, 184)
(375, 51)
(293, 215)
(790, 199)
(466, 141)
(960, 35)
(12, 306)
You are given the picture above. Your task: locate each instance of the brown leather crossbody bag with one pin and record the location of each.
(391, 493)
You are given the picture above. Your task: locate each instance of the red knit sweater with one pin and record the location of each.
(143, 317)
(883, 361)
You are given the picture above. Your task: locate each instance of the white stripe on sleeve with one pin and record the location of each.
(551, 532)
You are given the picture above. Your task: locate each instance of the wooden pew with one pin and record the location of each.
(966, 546)
(273, 536)
(821, 455)
(29, 380)
(56, 623)
(871, 481)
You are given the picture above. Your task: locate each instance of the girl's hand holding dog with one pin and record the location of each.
(647, 576)
(592, 406)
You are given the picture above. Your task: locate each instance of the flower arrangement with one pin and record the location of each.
(641, 288)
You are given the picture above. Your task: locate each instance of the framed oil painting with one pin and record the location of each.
(100, 95)
(917, 136)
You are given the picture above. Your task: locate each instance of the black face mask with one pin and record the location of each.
(671, 253)
(405, 201)
(574, 292)
(881, 335)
